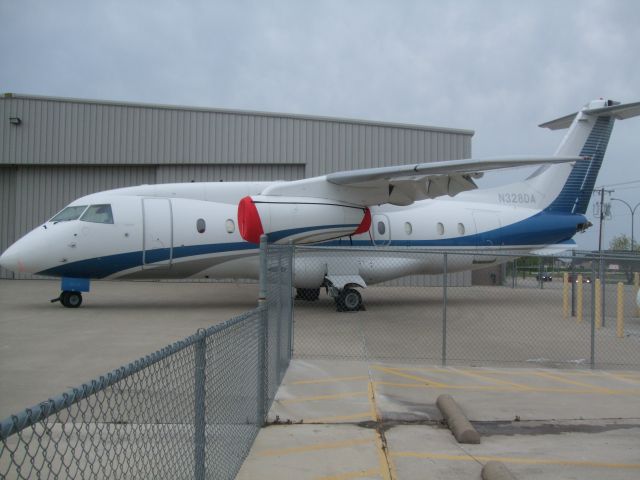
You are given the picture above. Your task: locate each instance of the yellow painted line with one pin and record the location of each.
(337, 418)
(494, 380)
(316, 447)
(373, 411)
(422, 380)
(383, 460)
(374, 472)
(490, 388)
(332, 396)
(624, 378)
(329, 380)
(515, 460)
(570, 382)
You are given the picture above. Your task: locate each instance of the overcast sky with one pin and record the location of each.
(497, 67)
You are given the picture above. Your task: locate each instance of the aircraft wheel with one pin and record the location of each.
(308, 294)
(71, 299)
(349, 300)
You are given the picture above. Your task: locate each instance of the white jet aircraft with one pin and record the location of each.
(212, 230)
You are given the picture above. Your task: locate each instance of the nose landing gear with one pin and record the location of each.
(69, 299)
(71, 296)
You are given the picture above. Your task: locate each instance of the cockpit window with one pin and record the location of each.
(98, 214)
(69, 213)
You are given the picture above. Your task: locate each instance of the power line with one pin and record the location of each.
(621, 183)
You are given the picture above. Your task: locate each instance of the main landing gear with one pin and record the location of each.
(71, 296)
(347, 299)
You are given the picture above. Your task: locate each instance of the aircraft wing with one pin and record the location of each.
(403, 184)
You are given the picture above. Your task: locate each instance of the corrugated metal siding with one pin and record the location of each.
(7, 212)
(228, 173)
(55, 131)
(457, 279)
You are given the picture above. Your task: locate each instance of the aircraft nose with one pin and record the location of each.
(30, 254)
(10, 259)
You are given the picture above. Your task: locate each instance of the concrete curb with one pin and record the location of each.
(496, 471)
(457, 421)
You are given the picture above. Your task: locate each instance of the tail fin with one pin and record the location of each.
(588, 136)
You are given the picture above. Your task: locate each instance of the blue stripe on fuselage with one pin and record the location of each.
(102, 267)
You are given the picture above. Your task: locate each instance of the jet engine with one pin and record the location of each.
(299, 219)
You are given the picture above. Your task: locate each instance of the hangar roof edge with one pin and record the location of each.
(297, 116)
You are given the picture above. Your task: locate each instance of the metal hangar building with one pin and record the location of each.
(54, 150)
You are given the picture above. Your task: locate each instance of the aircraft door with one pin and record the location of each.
(487, 239)
(157, 233)
(381, 230)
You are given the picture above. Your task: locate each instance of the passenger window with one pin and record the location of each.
(381, 228)
(69, 213)
(201, 225)
(230, 226)
(408, 229)
(461, 228)
(98, 214)
(440, 228)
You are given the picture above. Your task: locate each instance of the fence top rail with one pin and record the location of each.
(486, 251)
(30, 416)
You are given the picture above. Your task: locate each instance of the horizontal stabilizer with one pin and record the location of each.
(619, 112)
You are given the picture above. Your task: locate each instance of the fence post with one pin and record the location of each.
(292, 260)
(620, 311)
(445, 280)
(200, 406)
(540, 273)
(579, 286)
(565, 295)
(603, 286)
(593, 319)
(262, 294)
(598, 307)
(263, 335)
(636, 288)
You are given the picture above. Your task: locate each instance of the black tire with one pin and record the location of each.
(349, 300)
(308, 294)
(71, 299)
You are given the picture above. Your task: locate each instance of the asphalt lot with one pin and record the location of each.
(366, 409)
(45, 349)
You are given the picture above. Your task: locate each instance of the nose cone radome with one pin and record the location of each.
(30, 254)
(10, 259)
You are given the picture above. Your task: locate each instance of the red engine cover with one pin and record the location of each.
(249, 222)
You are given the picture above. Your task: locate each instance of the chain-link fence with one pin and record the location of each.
(189, 410)
(573, 310)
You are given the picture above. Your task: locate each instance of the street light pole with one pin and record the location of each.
(633, 212)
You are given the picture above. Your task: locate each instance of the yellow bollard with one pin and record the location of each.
(598, 304)
(579, 300)
(565, 295)
(620, 310)
(636, 287)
